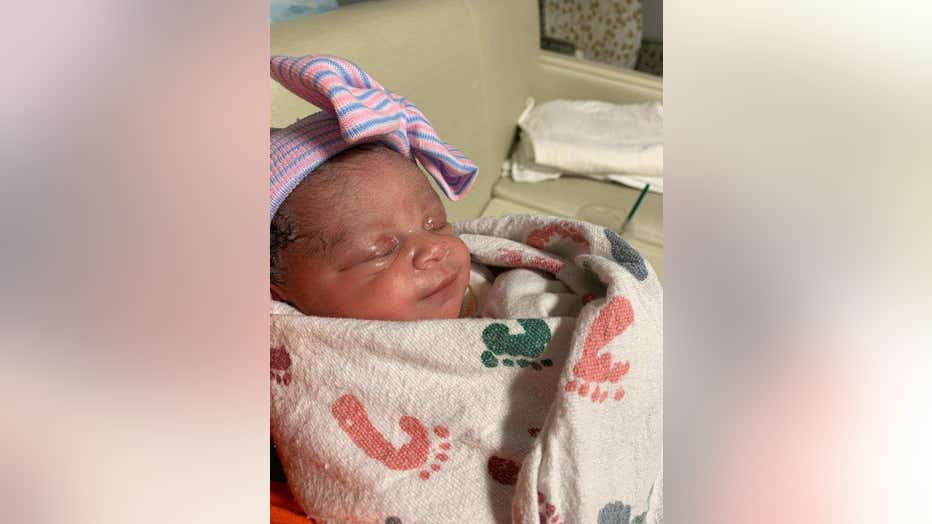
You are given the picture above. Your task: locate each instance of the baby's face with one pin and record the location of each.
(389, 252)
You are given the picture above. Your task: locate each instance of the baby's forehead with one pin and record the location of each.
(392, 177)
(387, 198)
(357, 197)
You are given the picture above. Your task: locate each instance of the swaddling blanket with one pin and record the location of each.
(522, 420)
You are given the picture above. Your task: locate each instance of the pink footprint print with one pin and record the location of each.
(441, 455)
(354, 421)
(516, 258)
(280, 365)
(597, 372)
(547, 511)
(551, 233)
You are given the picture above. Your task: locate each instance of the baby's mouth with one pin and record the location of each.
(443, 286)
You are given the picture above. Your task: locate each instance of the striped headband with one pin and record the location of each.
(356, 110)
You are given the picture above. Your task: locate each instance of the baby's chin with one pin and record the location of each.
(453, 308)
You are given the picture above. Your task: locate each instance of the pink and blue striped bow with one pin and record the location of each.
(356, 109)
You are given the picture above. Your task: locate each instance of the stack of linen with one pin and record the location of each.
(601, 140)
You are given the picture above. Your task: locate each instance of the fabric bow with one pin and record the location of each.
(355, 109)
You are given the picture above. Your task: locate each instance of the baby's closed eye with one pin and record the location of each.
(375, 254)
(382, 249)
(385, 250)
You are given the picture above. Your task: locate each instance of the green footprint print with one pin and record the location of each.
(524, 348)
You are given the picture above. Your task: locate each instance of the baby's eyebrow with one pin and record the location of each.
(319, 243)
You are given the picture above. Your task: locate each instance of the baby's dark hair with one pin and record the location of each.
(281, 234)
(326, 184)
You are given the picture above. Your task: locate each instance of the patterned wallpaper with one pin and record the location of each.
(607, 31)
(282, 10)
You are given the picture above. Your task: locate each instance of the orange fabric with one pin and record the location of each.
(284, 509)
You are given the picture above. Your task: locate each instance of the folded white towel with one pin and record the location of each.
(522, 168)
(592, 137)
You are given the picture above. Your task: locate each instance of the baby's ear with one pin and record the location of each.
(277, 292)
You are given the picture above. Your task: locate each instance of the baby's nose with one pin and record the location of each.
(430, 251)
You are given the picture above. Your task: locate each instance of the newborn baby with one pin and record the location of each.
(367, 237)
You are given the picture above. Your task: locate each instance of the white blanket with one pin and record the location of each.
(527, 420)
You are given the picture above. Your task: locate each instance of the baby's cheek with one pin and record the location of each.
(461, 251)
(390, 297)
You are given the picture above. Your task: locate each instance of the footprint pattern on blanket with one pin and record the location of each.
(354, 421)
(553, 233)
(280, 367)
(619, 513)
(597, 374)
(518, 258)
(522, 349)
(547, 511)
(626, 256)
(502, 470)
